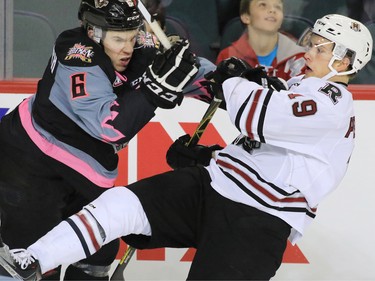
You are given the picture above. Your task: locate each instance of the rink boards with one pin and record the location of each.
(339, 244)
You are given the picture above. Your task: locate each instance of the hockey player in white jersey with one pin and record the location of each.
(256, 193)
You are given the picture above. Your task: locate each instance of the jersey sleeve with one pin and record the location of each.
(194, 88)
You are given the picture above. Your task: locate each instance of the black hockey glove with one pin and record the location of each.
(259, 76)
(179, 155)
(169, 73)
(231, 67)
(277, 83)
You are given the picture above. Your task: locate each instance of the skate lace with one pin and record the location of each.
(22, 257)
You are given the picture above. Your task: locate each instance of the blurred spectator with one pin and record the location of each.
(262, 43)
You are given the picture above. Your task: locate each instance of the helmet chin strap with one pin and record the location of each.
(330, 75)
(334, 72)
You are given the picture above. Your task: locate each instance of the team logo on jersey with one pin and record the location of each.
(294, 85)
(136, 82)
(91, 205)
(117, 82)
(332, 92)
(79, 51)
(145, 39)
(120, 79)
(355, 26)
(101, 3)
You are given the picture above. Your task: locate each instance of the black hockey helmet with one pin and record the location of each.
(110, 14)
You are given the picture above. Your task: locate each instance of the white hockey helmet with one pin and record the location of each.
(348, 35)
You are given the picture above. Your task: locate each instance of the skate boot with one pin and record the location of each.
(18, 264)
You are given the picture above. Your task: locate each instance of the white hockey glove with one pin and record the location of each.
(169, 73)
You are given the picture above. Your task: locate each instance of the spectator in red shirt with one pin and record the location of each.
(262, 44)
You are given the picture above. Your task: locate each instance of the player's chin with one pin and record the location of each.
(120, 68)
(308, 72)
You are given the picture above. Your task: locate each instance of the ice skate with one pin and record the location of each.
(18, 264)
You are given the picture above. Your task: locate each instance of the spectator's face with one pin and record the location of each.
(265, 15)
(318, 56)
(119, 46)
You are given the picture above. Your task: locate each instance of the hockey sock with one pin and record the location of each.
(117, 212)
(59, 246)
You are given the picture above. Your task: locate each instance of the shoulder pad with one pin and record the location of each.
(74, 48)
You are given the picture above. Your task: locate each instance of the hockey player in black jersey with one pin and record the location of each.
(59, 147)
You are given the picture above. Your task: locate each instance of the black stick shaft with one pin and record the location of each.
(214, 105)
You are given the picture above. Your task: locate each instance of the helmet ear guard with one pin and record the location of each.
(339, 51)
(98, 33)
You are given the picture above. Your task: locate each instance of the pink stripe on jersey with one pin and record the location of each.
(104, 124)
(251, 114)
(258, 187)
(58, 153)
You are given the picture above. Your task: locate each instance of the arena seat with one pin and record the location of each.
(295, 25)
(231, 32)
(226, 10)
(34, 37)
(201, 19)
(313, 10)
(176, 26)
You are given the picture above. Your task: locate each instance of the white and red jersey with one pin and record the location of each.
(307, 137)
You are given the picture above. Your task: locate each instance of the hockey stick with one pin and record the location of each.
(118, 274)
(158, 31)
(214, 105)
